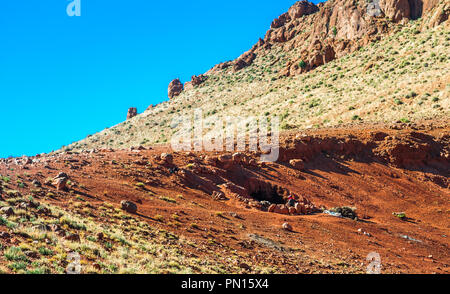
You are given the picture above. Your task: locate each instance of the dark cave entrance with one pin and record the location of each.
(270, 195)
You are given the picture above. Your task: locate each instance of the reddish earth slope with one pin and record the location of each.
(216, 198)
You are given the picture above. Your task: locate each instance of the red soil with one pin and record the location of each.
(377, 170)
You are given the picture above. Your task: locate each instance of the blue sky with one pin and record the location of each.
(63, 78)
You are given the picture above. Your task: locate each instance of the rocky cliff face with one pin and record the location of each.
(335, 28)
(321, 33)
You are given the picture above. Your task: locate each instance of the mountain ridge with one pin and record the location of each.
(299, 46)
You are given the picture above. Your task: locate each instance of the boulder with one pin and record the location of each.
(281, 209)
(297, 164)
(7, 211)
(167, 158)
(128, 206)
(300, 208)
(73, 237)
(61, 184)
(292, 211)
(36, 183)
(60, 181)
(287, 227)
(272, 208)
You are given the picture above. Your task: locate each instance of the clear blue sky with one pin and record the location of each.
(63, 78)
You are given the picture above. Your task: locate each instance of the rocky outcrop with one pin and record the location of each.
(175, 88)
(195, 81)
(330, 30)
(438, 13)
(244, 60)
(297, 10)
(132, 112)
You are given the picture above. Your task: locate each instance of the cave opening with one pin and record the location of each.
(271, 196)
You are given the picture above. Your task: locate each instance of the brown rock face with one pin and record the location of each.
(330, 30)
(198, 80)
(195, 81)
(132, 112)
(175, 88)
(297, 10)
(302, 8)
(244, 60)
(396, 10)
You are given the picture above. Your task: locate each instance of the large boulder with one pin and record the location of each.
(175, 88)
(60, 181)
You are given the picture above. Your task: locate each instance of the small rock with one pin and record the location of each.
(7, 211)
(292, 210)
(73, 237)
(31, 254)
(167, 158)
(287, 227)
(297, 164)
(245, 266)
(36, 183)
(272, 208)
(132, 112)
(100, 236)
(4, 235)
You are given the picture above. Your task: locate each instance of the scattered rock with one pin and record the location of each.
(73, 237)
(31, 254)
(36, 183)
(272, 208)
(128, 206)
(297, 164)
(218, 195)
(238, 157)
(7, 211)
(287, 227)
(167, 158)
(245, 266)
(4, 235)
(60, 181)
(292, 210)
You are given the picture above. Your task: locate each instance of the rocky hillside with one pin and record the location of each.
(360, 190)
(339, 62)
